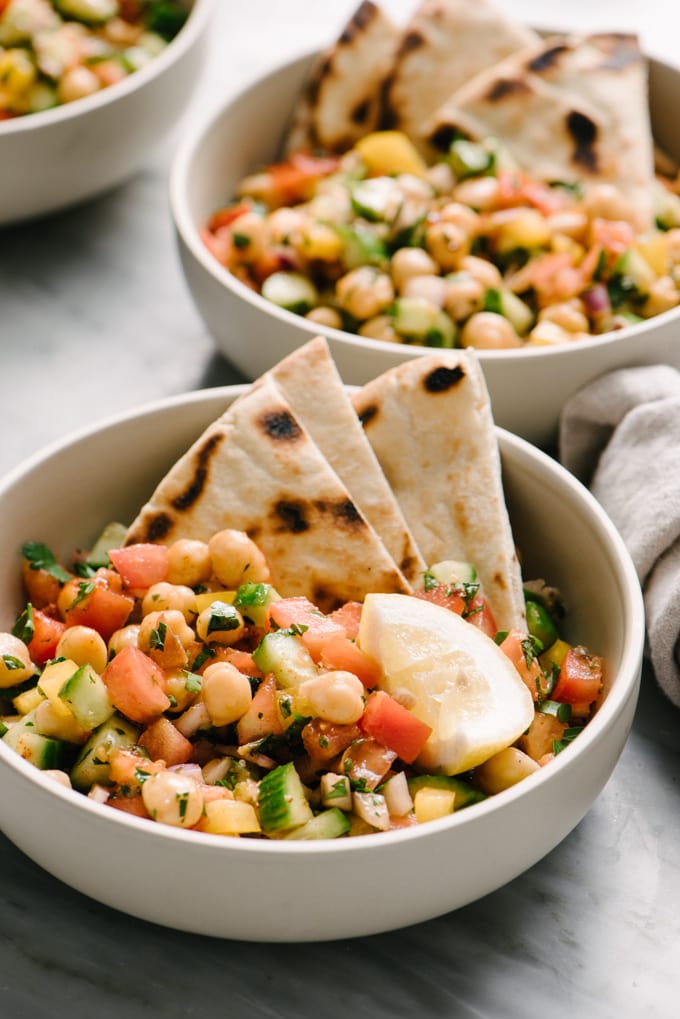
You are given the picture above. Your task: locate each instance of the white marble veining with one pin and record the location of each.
(94, 319)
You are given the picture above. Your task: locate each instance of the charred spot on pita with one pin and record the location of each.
(367, 414)
(361, 112)
(411, 41)
(442, 379)
(155, 529)
(292, 516)
(443, 137)
(280, 425)
(623, 50)
(500, 581)
(547, 58)
(345, 513)
(505, 87)
(363, 16)
(583, 132)
(194, 489)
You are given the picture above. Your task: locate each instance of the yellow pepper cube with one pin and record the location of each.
(28, 700)
(52, 680)
(230, 817)
(205, 599)
(555, 654)
(430, 803)
(390, 152)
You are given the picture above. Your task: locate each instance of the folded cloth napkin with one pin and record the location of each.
(620, 435)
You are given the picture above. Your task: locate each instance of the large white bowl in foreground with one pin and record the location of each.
(54, 159)
(276, 891)
(528, 386)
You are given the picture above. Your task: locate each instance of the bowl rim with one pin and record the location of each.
(182, 167)
(611, 708)
(199, 14)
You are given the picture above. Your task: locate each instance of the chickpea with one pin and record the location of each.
(236, 559)
(189, 562)
(663, 295)
(285, 226)
(431, 288)
(164, 596)
(83, 645)
(175, 623)
(481, 270)
(380, 328)
(673, 245)
(570, 222)
(448, 243)
(249, 234)
(325, 316)
(76, 83)
(460, 215)
(335, 696)
(220, 623)
(488, 331)
(478, 192)
(569, 315)
(364, 292)
(547, 333)
(127, 636)
(173, 798)
(604, 201)
(177, 687)
(463, 295)
(409, 262)
(15, 661)
(441, 177)
(227, 693)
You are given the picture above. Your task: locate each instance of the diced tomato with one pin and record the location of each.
(393, 725)
(136, 685)
(242, 660)
(262, 717)
(164, 742)
(128, 766)
(219, 245)
(479, 614)
(324, 740)
(301, 612)
(294, 180)
(339, 652)
(580, 678)
(41, 587)
(90, 603)
(519, 649)
(554, 277)
(516, 188)
(128, 804)
(445, 595)
(141, 565)
(46, 635)
(615, 236)
(349, 618)
(226, 216)
(367, 761)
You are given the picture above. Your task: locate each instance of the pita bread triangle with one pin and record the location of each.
(429, 421)
(256, 469)
(573, 109)
(340, 101)
(312, 385)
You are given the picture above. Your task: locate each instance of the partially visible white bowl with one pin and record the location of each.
(528, 386)
(282, 891)
(65, 155)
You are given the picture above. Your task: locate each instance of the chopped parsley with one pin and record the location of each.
(24, 627)
(40, 557)
(85, 589)
(158, 636)
(11, 663)
(193, 682)
(338, 790)
(568, 736)
(223, 616)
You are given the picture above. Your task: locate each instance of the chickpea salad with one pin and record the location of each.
(174, 683)
(56, 51)
(468, 251)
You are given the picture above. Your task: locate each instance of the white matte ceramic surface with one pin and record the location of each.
(54, 159)
(275, 891)
(528, 387)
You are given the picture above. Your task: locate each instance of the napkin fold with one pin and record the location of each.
(620, 436)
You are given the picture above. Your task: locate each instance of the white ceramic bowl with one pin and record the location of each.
(62, 156)
(276, 891)
(528, 387)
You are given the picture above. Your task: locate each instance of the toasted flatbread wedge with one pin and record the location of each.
(444, 44)
(256, 469)
(341, 98)
(312, 386)
(429, 421)
(574, 109)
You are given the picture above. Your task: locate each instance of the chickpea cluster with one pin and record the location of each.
(444, 258)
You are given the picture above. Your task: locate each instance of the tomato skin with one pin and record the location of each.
(349, 617)
(531, 671)
(367, 761)
(262, 717)
(324, 740)
(136, 685)
(445, 595)
(163, 742)
(393, 725)
(341, 653)
(301, 612)
(479, 614)
(42, 588)
(46, 635)
(102, 609)
(142, 565)
(580, 678)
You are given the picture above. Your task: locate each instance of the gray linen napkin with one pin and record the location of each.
(620, 435)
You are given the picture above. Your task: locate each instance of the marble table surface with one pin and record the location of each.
(95, 318)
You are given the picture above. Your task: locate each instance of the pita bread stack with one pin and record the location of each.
(341, 510)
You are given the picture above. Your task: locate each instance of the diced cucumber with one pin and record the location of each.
(92, 763)
(3, 728)
(504, 302)
(540, 623)
(452, 571)
(24, 737)
(416, 318)
(253, 601)
(92, 12)
(282, 800)
(284, 654)
(329, 824)
(666, 207)
(113, 536)
(361, 247)
(634, 272)
(87, 696)
(290, 290)
(470, 159)
(376, 198)
(465, 793)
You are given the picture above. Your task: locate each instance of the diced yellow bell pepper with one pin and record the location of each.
(524, 228)
(52, 680)
(230, 817)
(205, 599)
(654, 249)
(29, 699)
(390, 152)
(430, 803)
(555, 654)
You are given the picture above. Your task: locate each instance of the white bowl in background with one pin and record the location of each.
(56, 158)
(528, 386)
(283, 891)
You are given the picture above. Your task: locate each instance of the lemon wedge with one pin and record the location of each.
(460, 682)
